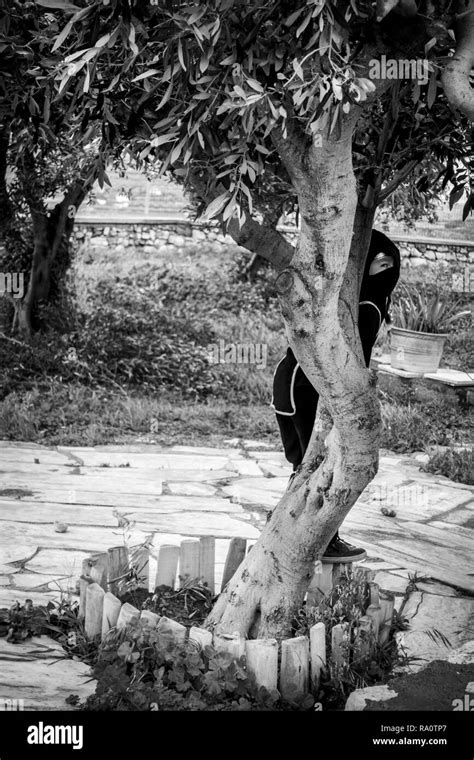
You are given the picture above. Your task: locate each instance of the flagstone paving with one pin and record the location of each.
(408, 521)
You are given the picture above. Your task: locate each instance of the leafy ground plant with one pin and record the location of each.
(58, 620)
(137, 670)
(365, 662)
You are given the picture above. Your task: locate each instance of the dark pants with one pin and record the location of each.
(296, 430)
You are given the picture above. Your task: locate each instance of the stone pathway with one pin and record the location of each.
(408, 521)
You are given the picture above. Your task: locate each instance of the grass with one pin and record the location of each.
(416, 426)
(131, 363)
(56, 415)
(456, 464)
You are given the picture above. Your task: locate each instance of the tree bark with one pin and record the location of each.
(52, 236)
(456, 75)
(319, 295)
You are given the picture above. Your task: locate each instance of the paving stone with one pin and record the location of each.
(378, 564)
(122, 501)
(391, 582)
(441, 480)
(460, 516)
(191, 489)
(33, 672)
(206, 451)
(204, 524)
(276, 458)
(199, 476)
(413, 500)
(35, 457)
(8, 597)
(463, 655)
(433, 560)
(357, 701)
(52, 582)
(274, 470)
(459, 534)
(421, 457)
(108, 481)
(150, 462)
(78, 514)
(261, 491)
(430, 586)
(452, 617)
(59, 561)
(85, 538)
(15, 556)
(440, 548)
(247, 467)
(390, 461)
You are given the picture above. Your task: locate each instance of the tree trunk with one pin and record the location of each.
(318, 292)
(52, 236)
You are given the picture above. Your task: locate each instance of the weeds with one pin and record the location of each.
(456, 464)
(133, 362)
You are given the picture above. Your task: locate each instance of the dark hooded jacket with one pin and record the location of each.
(373, 311)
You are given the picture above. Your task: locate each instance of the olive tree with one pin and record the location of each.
(334, 105)
(44, 175)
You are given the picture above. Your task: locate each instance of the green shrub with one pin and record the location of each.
(457, 464)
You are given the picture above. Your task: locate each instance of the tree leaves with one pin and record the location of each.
(216, 206)
(455, 195)
(384, 7)
(60, 5)
(146, 74)
(62, 36)
(468, 207)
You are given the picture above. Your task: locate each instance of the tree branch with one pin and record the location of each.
(256, 237)
(455, 77)
(264, 240)
(6, 211)
(397, 180)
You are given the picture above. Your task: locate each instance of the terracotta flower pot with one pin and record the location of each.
(414, 351)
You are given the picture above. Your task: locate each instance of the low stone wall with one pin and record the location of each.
(168, 236)
(160, 237)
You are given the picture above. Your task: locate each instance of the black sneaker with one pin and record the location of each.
(340, 551)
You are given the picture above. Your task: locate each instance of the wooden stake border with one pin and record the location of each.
(302, 659)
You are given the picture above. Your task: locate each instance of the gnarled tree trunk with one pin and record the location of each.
(319, 298)
(52, 234)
